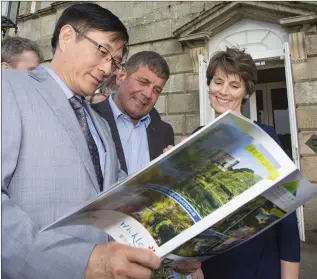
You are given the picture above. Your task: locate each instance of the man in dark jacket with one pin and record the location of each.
(137, 129)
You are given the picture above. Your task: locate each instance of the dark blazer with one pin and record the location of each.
(159, 133)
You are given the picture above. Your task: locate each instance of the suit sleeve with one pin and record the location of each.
(27, 253)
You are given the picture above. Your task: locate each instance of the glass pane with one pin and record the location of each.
(281, 118)
(14, 11)
(45, 4)
(4, 8)
(246, 109)
(260, 106)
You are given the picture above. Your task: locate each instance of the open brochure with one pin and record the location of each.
(220, 187)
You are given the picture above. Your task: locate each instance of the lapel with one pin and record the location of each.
(56, 99)
(152, 141)
(107, 113)
(153, 138)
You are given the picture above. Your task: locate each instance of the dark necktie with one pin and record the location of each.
(77, 105)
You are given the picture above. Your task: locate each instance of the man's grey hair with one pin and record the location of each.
(13, 46)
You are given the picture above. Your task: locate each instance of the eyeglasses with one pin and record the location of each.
(103, 53)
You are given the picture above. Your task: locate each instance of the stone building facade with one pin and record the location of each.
(181, 31)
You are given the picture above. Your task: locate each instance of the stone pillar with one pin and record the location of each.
(298, 47)
(304, 64)
(194, 57)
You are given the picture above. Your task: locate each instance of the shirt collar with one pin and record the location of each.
(68, 93)
(118, 113)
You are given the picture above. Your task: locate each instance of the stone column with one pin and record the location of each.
(304, 63)
(194, 57)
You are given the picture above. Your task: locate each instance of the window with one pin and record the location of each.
(38, 5)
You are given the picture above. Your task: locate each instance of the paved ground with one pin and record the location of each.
(308, 265)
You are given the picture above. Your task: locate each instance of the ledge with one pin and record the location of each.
(298, 20)
(203, 36)
(41, 12)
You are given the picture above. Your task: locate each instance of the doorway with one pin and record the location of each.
(271, 103)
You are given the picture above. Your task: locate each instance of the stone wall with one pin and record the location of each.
(150, 26)
(305, 77)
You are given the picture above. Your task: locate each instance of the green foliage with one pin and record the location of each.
(213, 187)
(207, 189)
(164, 273)
(205, 186)
(259, 218)
(165, 219)
(187, 159)
(237, 215)
(196, 246)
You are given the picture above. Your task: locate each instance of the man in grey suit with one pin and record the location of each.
(57, 153)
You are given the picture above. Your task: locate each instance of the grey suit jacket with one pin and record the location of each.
(46, 171)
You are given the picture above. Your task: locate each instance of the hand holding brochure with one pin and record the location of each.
(217, 189)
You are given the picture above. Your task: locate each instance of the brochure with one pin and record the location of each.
(220, 187)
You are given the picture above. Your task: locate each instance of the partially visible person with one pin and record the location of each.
(139, 133)
(275, 253)
(20, 54)
(106, 89)
(109, 86)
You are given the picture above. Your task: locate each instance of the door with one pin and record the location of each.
(207, 113)
(271, 108)
(293, 128)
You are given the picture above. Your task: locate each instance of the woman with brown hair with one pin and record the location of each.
(275, 253)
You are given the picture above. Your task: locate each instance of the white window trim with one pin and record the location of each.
(33, 7)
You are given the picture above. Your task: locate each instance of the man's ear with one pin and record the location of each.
(6, 65)
(121, 76)
(66, 35)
